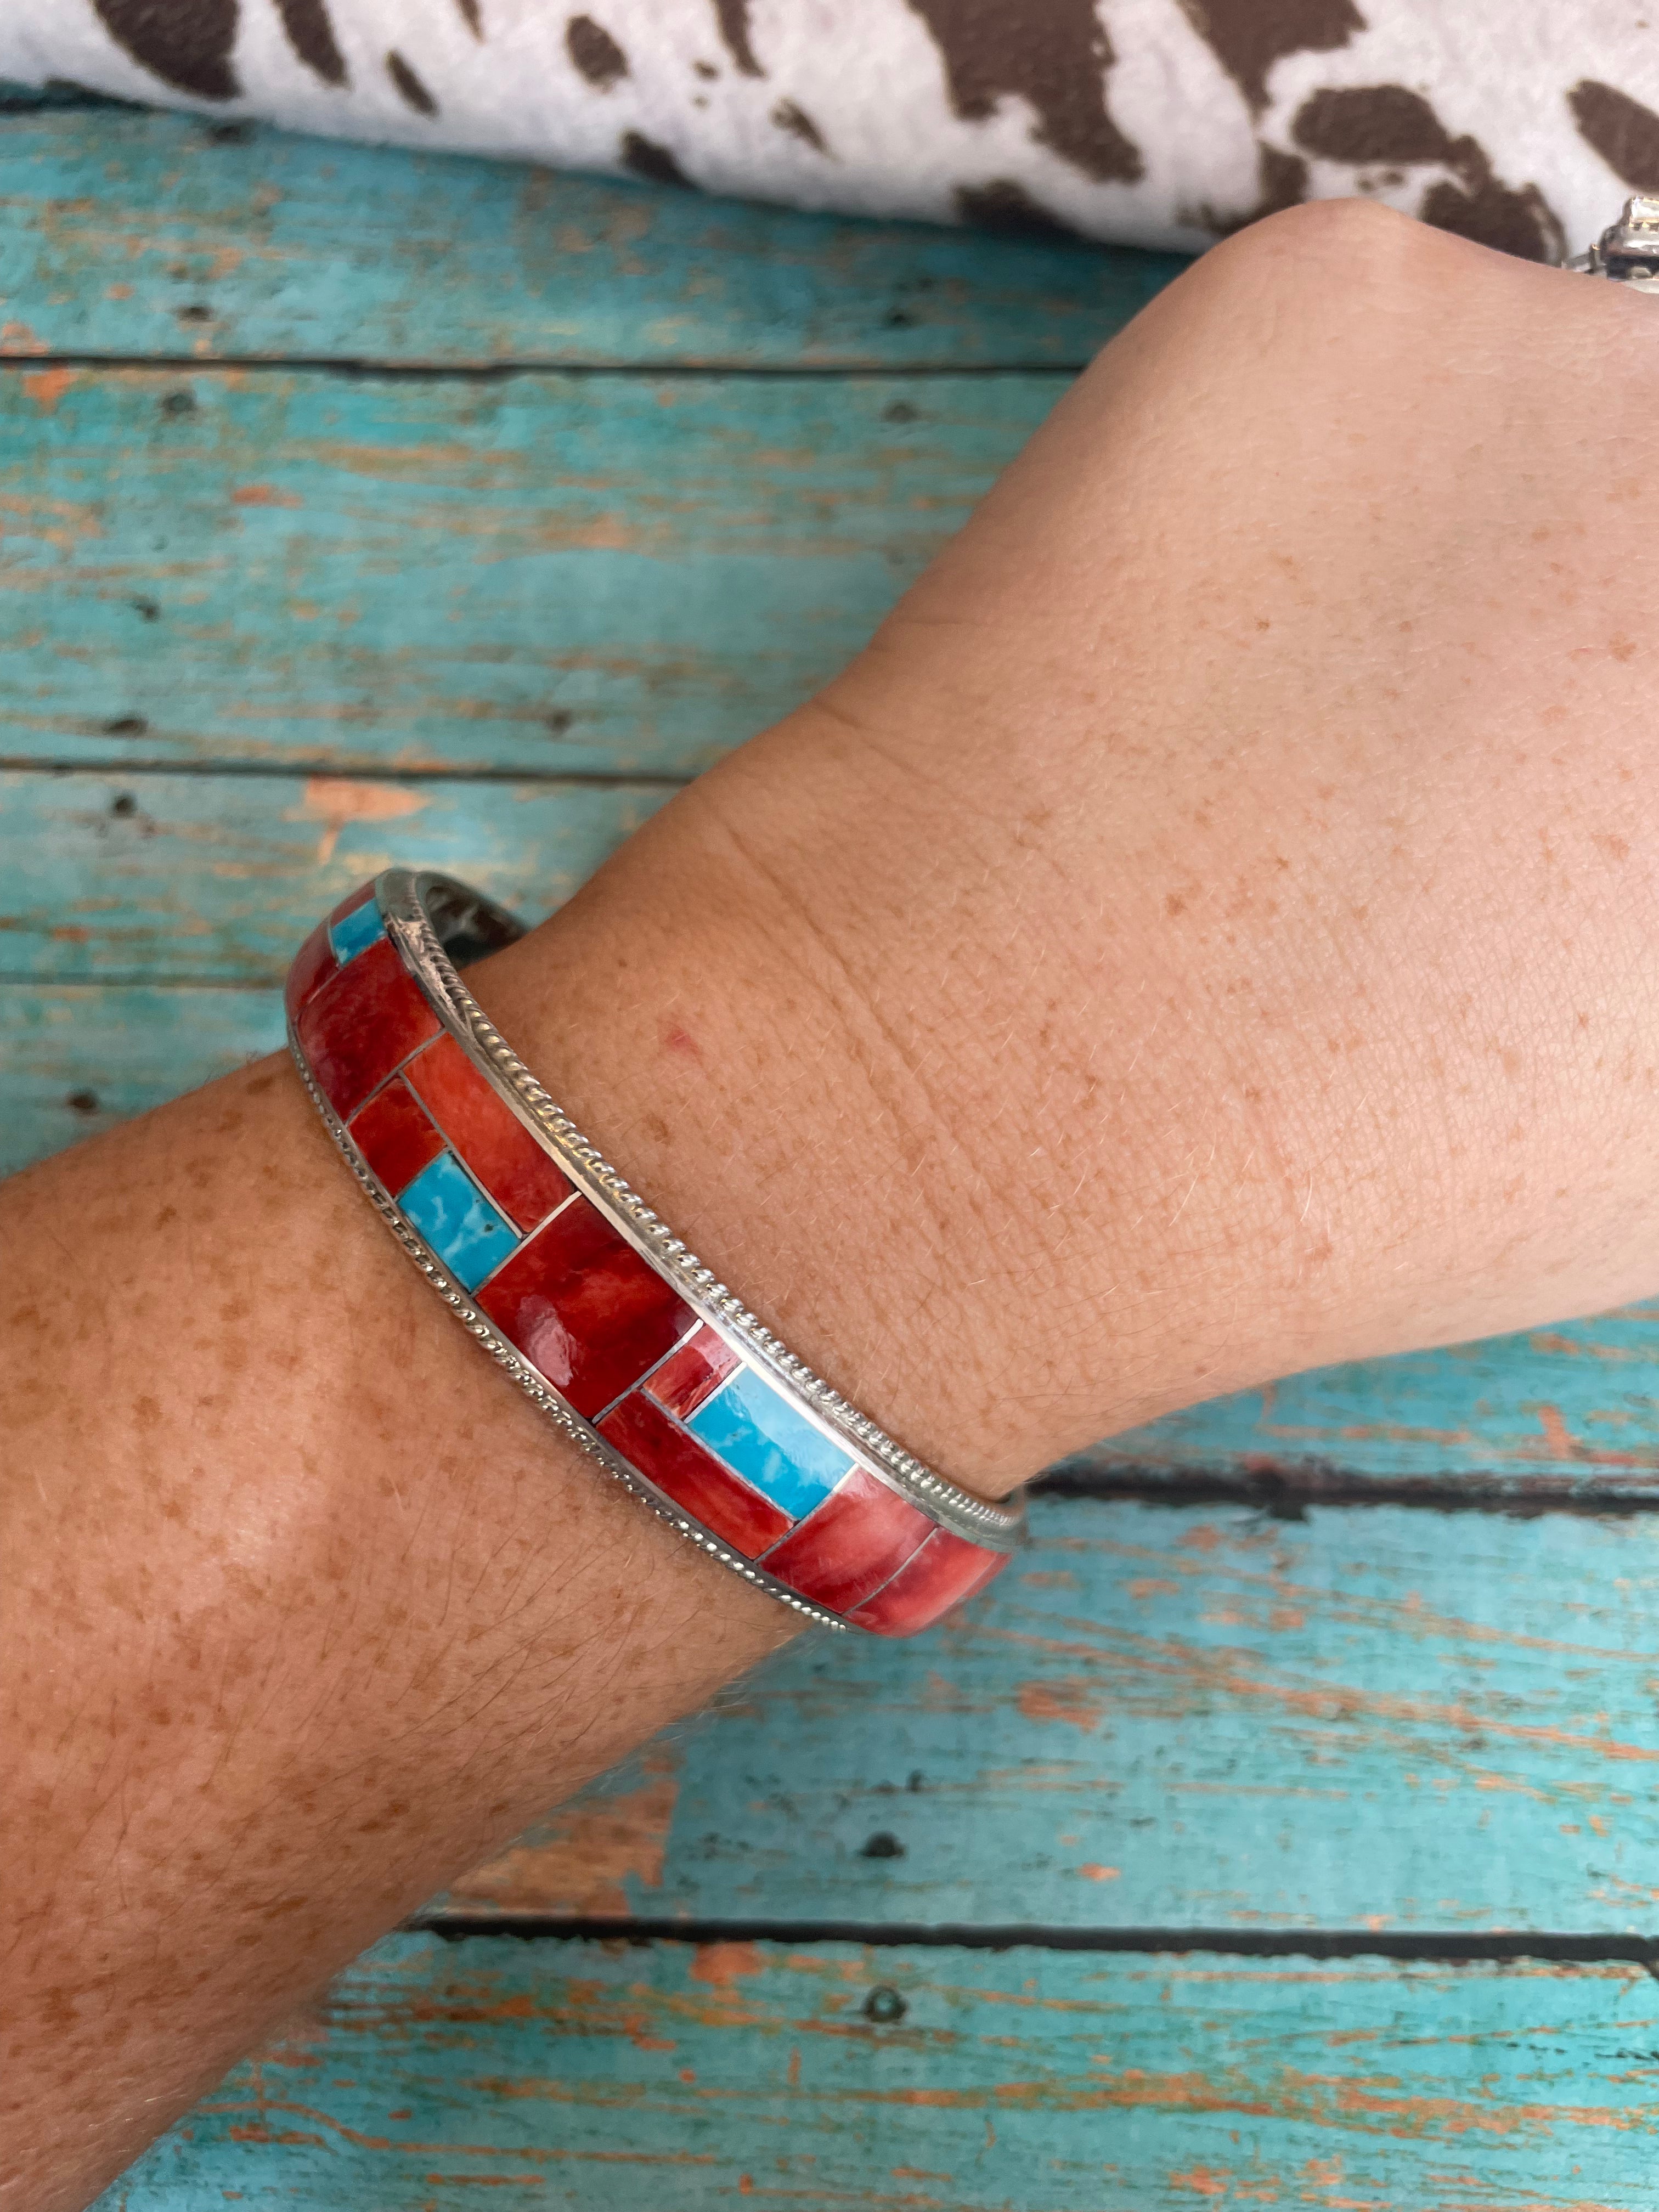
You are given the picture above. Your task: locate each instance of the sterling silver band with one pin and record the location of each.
(507, 1356)
(423, 913)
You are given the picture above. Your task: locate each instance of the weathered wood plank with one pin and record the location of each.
(1557, 1411)
(547, 574)
(1174, 1717)
(134, 234)
(678, 2077)
(202, 880)
(77, 1059)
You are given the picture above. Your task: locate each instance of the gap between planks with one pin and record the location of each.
(1435, 1947)
(1286, 1494)
(371, 772)
(728, 368)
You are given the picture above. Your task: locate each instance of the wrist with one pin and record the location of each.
(688, 1013)
(704, 1012)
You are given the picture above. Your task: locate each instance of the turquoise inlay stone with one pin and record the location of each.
(356, 931)
(761, 1437)
(457, 1221)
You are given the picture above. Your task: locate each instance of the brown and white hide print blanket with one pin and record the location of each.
(1522, 122)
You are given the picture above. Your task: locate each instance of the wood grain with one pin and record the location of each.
(1168, 1716)
(195, 879)
(896, 2080)
(1561, 1412)
(75, 1059)
(132, 235)
(546, 574)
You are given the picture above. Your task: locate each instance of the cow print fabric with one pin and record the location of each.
(1521, 122)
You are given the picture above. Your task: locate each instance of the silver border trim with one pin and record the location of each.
(530, 1380)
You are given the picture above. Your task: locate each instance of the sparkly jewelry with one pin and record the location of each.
(601, 1315)
(1628, 250)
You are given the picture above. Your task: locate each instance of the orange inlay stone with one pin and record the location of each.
(691, 1476)
(482, 1130)
(362, 1024)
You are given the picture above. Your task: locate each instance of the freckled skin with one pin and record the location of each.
(1092, 988)
(251, 1627)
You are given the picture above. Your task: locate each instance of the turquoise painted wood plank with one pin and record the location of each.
(1555, 1413)
(547, 574)
(678, 2077)
(78, 1059)
(142, 234)
(1165, 1717)
(203, 879)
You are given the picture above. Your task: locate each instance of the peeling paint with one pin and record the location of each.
(1455, 2087)
(47, 386)
(602, 1854)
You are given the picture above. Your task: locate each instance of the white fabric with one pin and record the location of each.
(1160, 122)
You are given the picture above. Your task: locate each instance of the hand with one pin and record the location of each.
(1212, 929)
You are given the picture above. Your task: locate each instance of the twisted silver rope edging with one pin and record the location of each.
(530, 1382)
(403, 894)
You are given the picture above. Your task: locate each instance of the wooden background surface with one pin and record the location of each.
(1283, 1829)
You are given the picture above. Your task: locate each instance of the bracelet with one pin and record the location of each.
(616, 1331)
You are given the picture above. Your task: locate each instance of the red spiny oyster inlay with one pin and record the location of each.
(862, 1533)
(693, 1373)
(942, 1574)
(395, 1135)
(692, 1476)
(361, 1024)
(521, 1178)
(313, 964)
(607, 1330)
(584, 1308)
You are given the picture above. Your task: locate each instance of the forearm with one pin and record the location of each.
(307, 1606)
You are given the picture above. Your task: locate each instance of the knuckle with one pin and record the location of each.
(1354, 241)
(1324, 270)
